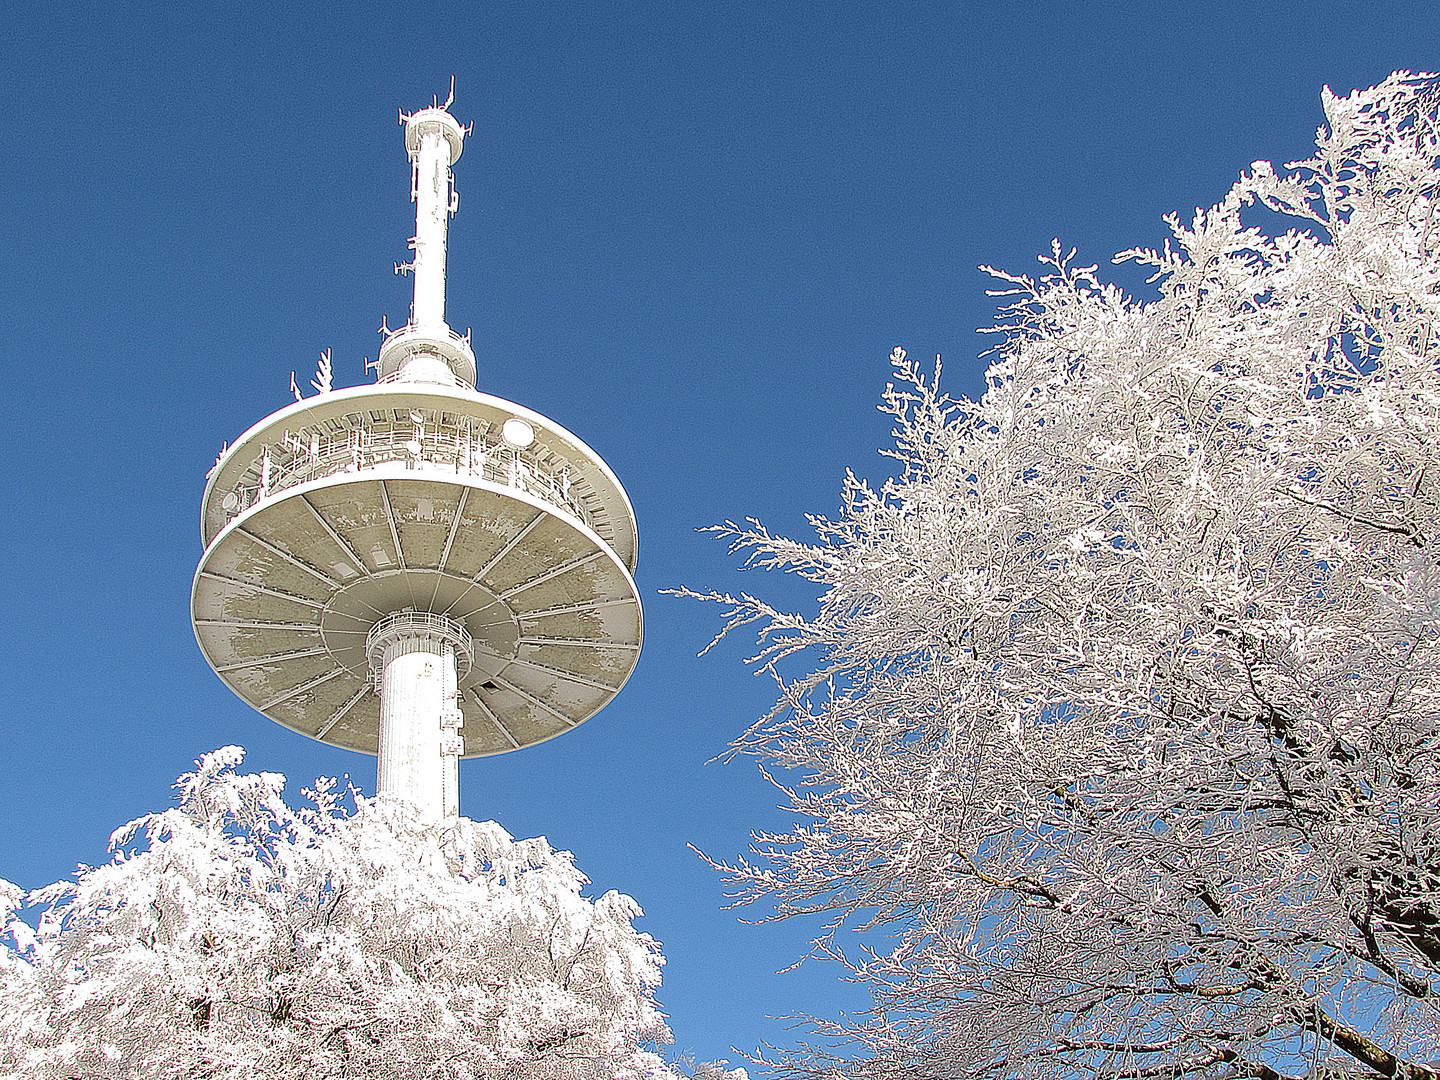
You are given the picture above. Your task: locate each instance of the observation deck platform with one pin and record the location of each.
(352, 505)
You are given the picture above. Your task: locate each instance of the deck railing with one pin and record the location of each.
(460, 447)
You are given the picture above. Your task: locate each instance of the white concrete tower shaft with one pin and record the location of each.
(416, 660)
(425, 349)
(433, 190)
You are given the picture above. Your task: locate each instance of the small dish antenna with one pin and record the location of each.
(517, 433)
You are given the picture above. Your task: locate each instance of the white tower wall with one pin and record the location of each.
(417, 684)
(416, 660)
(433, 203)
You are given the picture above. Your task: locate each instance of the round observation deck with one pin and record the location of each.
(349, 507)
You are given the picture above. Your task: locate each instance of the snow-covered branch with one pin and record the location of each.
(1121, 707)
(237, 937)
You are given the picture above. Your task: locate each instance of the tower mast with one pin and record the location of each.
(414, 569)
(434, 141)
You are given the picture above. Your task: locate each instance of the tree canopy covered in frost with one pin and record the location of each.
(237, 937)
(1119, 712)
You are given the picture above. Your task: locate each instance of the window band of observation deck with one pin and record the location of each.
(456, 446)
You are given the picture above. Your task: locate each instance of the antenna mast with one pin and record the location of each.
(434, 140)
(425, 349)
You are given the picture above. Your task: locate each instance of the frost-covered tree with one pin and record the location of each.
(236, 937)
(1119, 721)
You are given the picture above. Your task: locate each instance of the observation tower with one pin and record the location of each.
(414, 569)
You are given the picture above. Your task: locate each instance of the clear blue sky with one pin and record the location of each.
(690, 233)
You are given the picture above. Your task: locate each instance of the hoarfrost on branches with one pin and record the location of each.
(235, 936)
(1120, 709)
